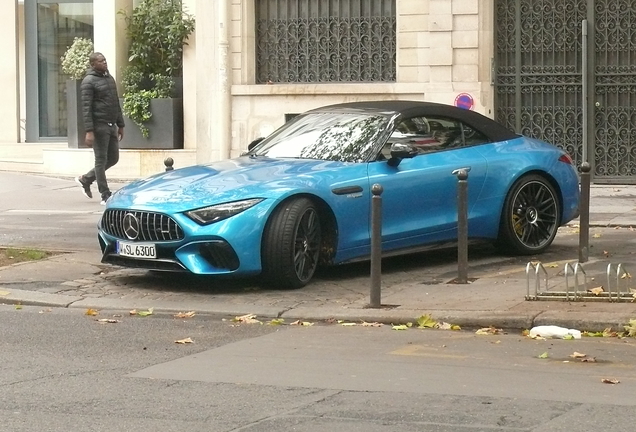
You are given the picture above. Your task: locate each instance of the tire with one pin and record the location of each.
(291, 244)
(531, 216)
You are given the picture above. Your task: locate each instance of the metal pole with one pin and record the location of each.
(462, 227)
(376, 246)
(584, 86)
(584, 217)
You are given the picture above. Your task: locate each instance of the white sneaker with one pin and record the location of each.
(105, 200)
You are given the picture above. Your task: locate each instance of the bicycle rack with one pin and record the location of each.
(576, 269)
(621, 273)
(578, 292)
(536, 266)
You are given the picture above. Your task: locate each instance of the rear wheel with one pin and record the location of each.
(530, 217)
(291, 244)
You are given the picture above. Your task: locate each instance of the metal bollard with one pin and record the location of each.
(462, 227)
(376, 246)
(168, 162)
(584, 216)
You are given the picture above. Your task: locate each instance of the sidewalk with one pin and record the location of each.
(409, 290)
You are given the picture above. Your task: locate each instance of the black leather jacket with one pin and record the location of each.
(100, 103)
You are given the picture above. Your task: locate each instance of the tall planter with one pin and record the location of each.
(75, 120)
(165, 127)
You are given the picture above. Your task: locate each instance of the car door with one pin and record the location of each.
(419, 199)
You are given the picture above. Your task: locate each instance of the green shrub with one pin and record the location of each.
(75, 60)
(157, 30)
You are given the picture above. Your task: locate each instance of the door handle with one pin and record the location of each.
(455, 172)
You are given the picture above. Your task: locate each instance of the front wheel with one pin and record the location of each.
(530, 217)
(291, 244)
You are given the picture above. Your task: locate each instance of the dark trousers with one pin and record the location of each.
(106, 149)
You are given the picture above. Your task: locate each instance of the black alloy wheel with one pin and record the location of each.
(531, 216)
(291, 244)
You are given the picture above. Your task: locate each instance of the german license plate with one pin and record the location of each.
(136, 250)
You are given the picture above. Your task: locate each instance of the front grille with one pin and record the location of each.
(152, 226)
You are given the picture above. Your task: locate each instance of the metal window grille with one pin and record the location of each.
(311, 41)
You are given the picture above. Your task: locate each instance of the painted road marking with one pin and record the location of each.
(62, 212)
(424, 351)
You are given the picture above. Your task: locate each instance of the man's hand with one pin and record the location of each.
(90, 139)
(120, 133)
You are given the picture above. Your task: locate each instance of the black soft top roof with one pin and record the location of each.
(407, 109)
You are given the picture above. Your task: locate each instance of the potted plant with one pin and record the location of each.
(152, 94)
(74, 64)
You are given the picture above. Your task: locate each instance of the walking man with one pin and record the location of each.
(103, 123)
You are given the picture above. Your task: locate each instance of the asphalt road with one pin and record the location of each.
(47, 212)
(61, 370)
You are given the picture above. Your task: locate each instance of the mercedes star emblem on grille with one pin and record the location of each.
(131, 226)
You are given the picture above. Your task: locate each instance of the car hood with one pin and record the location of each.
(230, 180)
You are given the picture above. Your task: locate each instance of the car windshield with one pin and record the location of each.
(344, 137)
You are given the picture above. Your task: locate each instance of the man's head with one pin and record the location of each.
(98, 62)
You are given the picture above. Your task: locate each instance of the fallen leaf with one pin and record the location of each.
(107, 320)
(185, 314)
(626, 276)
(146, 312)
(544, 355)
(455, 327)
(553, 266)
(184, 341)
(609, 381)
(276, 321)
(577, 355)
(596, 236)
(609, 333)
(489, 331)
(45, 310)
(133, 312)
(631, 328)
(91, 312)
(526, 332)
(348, 324)
(18, 306)
(302, 323)
(246, 319)
(606, 254)
(596, 291)
(588, 360)
(399, 327)
(426, 321)
(443, 326)
(373, 324)
(593, 334)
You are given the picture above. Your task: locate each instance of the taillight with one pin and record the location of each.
(566, 158)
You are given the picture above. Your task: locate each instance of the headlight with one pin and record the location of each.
(215, 213)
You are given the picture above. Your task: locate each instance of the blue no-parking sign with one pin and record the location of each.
(464, 100)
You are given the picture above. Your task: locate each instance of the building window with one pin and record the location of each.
(50, 27)
(316, 41)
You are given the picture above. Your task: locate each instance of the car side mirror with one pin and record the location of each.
(403, 151)
(253, 144)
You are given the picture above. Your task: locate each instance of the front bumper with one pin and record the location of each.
(228, 247)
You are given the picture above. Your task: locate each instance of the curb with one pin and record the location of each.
(584, 321)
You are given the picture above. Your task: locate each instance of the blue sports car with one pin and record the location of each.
(301, 197)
